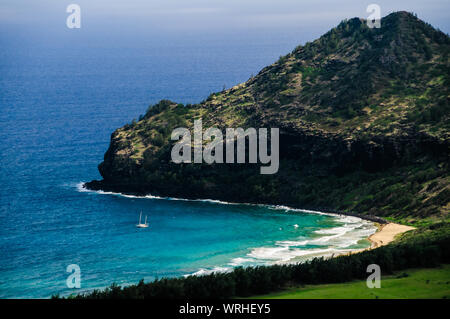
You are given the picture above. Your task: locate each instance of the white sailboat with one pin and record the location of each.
(140, 225)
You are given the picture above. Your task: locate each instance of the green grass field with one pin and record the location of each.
(420, 283)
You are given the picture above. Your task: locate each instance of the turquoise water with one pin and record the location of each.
(60, 100)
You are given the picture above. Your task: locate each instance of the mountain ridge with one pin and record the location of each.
(358, 106)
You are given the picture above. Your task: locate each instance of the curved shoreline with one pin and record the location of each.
(385, 233)
(333, 213)
(323, 210)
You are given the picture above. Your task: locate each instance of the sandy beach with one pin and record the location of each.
(387, 233)
(384, 235)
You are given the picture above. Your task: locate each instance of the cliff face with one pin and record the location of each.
(363, 114)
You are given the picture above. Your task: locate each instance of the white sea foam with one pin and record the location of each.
(334, 240)
(292, 243)
(214, 201)
(204, 271)
(241, 261)
(334, 230)
(80, 187)
(269, 253)
(285, 254)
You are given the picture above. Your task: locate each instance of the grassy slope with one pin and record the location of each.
(420, 283)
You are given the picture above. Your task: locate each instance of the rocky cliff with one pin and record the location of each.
(364, 125)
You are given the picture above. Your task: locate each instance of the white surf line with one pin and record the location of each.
(81, 188)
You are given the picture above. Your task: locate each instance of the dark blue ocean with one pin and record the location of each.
(60, 99)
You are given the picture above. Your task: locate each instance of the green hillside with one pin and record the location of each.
(364, 126)
(407, 284)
